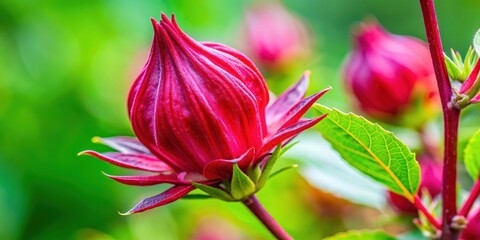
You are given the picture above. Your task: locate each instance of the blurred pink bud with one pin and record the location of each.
(400, 204)
(431, 182)
(275, 36)
(472, 231)
(197, 109)
(216, 228)
(391, 75)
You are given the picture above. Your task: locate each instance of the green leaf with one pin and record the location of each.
(472, 156)
(476, 42)
(241, 186)
(214, 192)
(372, 150)
(361, 235)
(268, 167)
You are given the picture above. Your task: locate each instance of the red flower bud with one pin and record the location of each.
(390, 75)
(431, 182)
(275, 36)
(197, 109)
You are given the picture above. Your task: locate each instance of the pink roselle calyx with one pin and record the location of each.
(391, 77)
(275, 37)
(200, 115)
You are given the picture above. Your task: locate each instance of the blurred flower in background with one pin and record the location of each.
(215, 228)
(391, 77)
(275, 37)
(472, 231)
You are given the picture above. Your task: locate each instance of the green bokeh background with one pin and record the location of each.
(65, 70)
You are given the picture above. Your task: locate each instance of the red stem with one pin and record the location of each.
(449, 187)
(470, 200)
(419, 205)
(436, 51)
(451, 116)
(259, 211)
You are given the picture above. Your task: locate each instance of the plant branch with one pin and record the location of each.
(420, 206)
(470, 200)
(451, 116)
(259, 211)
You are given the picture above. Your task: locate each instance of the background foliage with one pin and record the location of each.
(65, 69)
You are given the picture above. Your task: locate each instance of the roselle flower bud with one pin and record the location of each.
(199, 111)
(391, 77)
(431, 182)
(274, 36)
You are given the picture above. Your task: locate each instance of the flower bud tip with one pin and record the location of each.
(154, 21)
(165, 18)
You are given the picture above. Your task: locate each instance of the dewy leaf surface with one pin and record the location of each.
(372, 150)
(472, 156)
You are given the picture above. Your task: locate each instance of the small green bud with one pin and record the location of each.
(459, 68)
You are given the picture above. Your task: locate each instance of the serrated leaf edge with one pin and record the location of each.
(405, 191)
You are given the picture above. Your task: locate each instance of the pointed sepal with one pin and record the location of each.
(458, 67)
(170, 195)
(268, 167)
(214, 192)
(283, 170)
(196, 197)
(241, 185)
